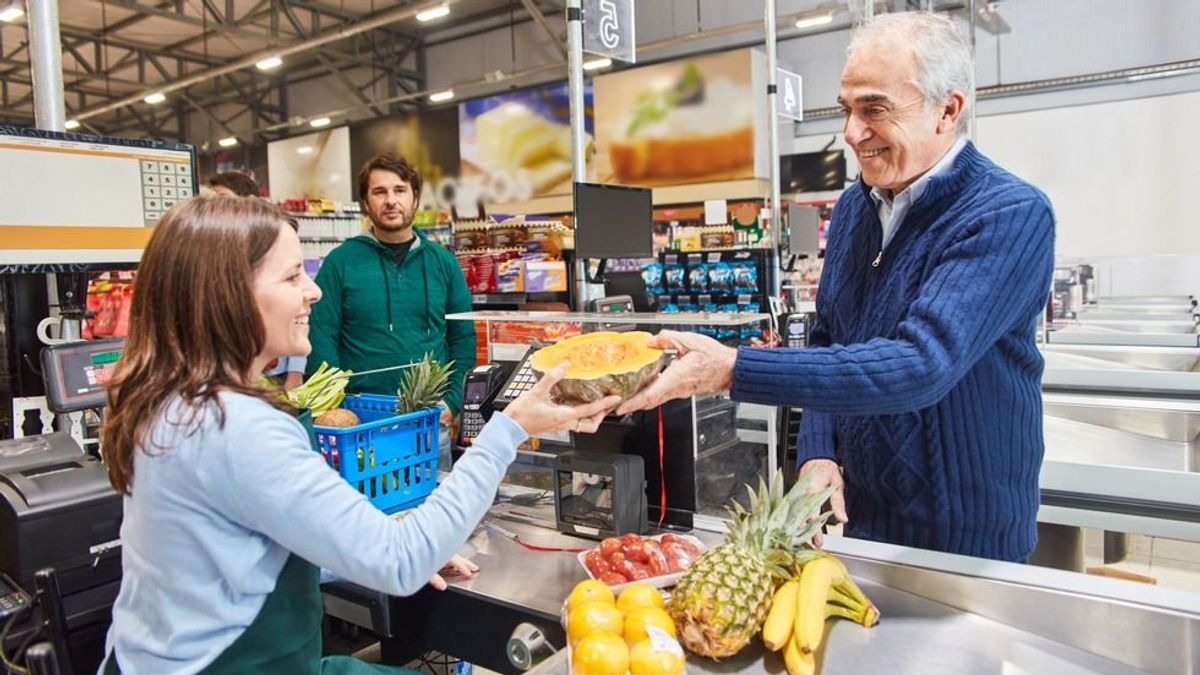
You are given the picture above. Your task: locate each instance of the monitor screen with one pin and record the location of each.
(812, 171)
(121, 187)
(613, 221)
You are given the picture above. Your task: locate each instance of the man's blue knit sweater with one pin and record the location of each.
(926, 384)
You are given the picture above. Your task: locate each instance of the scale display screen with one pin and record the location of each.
(76, 373)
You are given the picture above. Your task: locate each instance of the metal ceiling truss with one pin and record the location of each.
(135, 66)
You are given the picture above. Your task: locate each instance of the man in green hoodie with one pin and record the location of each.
(386, 293)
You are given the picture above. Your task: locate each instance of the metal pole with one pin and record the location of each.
(45, 62)
(971, 14)
(575, 95)
(774, 234)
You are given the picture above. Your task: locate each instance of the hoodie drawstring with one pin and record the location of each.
(425, 283)
(387, 289)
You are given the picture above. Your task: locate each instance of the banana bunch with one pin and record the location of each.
(322, 392)
(799, 608)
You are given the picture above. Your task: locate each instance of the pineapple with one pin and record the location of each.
(723, 597)
(424, 385)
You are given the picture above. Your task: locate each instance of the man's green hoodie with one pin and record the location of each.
(374, 313)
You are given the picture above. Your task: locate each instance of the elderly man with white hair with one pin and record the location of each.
(922, 387)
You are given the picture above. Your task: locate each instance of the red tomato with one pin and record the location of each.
(657, 560)
(636, 551)
(688, 547)
(609, 545)
(639, 572)
(667, 538)
(613, 578)
(677, 558)
(630, 539)
(596, 564)
(615, 559)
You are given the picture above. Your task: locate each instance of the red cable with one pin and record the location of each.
(550, 549)
(662, 474)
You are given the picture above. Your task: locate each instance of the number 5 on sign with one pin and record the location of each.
(608, 29)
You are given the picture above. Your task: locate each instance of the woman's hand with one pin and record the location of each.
(457, 566)
(537, 413)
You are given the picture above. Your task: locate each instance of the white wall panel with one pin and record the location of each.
(1122, 176)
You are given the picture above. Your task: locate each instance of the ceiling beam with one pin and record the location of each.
(541, 20)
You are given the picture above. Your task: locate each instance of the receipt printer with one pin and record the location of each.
(57, 510)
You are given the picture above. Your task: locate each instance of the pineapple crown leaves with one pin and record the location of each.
(778, 526)
(423, 385)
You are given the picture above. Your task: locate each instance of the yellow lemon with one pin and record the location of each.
(589, 617)
(639, 595)
(644, 659)
(637, 620)
(600, 653)
(588, 591)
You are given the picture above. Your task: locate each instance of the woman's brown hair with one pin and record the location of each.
(194, 329)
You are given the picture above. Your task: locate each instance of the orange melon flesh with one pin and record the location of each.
(601, 364)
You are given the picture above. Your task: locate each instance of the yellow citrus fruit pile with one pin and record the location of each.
(629, 634)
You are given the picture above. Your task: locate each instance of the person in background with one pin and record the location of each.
(922, 395)
(233, 184)
(287, 370)
(228, 509)
(387, 293)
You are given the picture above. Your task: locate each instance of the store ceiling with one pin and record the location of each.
(115, 49)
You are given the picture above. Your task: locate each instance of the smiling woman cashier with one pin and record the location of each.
(228, 511)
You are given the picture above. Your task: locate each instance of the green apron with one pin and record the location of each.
(285, 637)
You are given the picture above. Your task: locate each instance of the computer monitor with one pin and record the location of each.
(812, 171)
(613, 221)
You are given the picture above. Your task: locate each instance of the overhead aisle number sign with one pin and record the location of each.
(789, 101)
(608, 29)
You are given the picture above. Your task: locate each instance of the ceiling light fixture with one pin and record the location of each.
(319, 122)
(155, 98)
(597, 64)
(227, 142)
(12, 12)
(814, 20)
(433, 13)
(269, 63)
(71, 124)
(304, 150)
(440, 96)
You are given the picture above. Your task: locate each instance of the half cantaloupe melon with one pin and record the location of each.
(601, 364)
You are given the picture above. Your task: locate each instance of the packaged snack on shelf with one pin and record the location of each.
(544, 276)
(697, 276)
(652, 276)
(506, 235)
(508, 276)
(689, 239)
(745, 277)
(674, 275)
(720, 277)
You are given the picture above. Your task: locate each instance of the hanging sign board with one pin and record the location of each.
(608, 29)
(789, 101)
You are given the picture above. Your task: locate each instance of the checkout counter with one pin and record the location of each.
(941, 612)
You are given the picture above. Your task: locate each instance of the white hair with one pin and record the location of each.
(943, 56)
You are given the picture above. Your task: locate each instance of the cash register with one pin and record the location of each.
(57, 509)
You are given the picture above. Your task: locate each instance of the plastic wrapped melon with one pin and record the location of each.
(601, 364)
